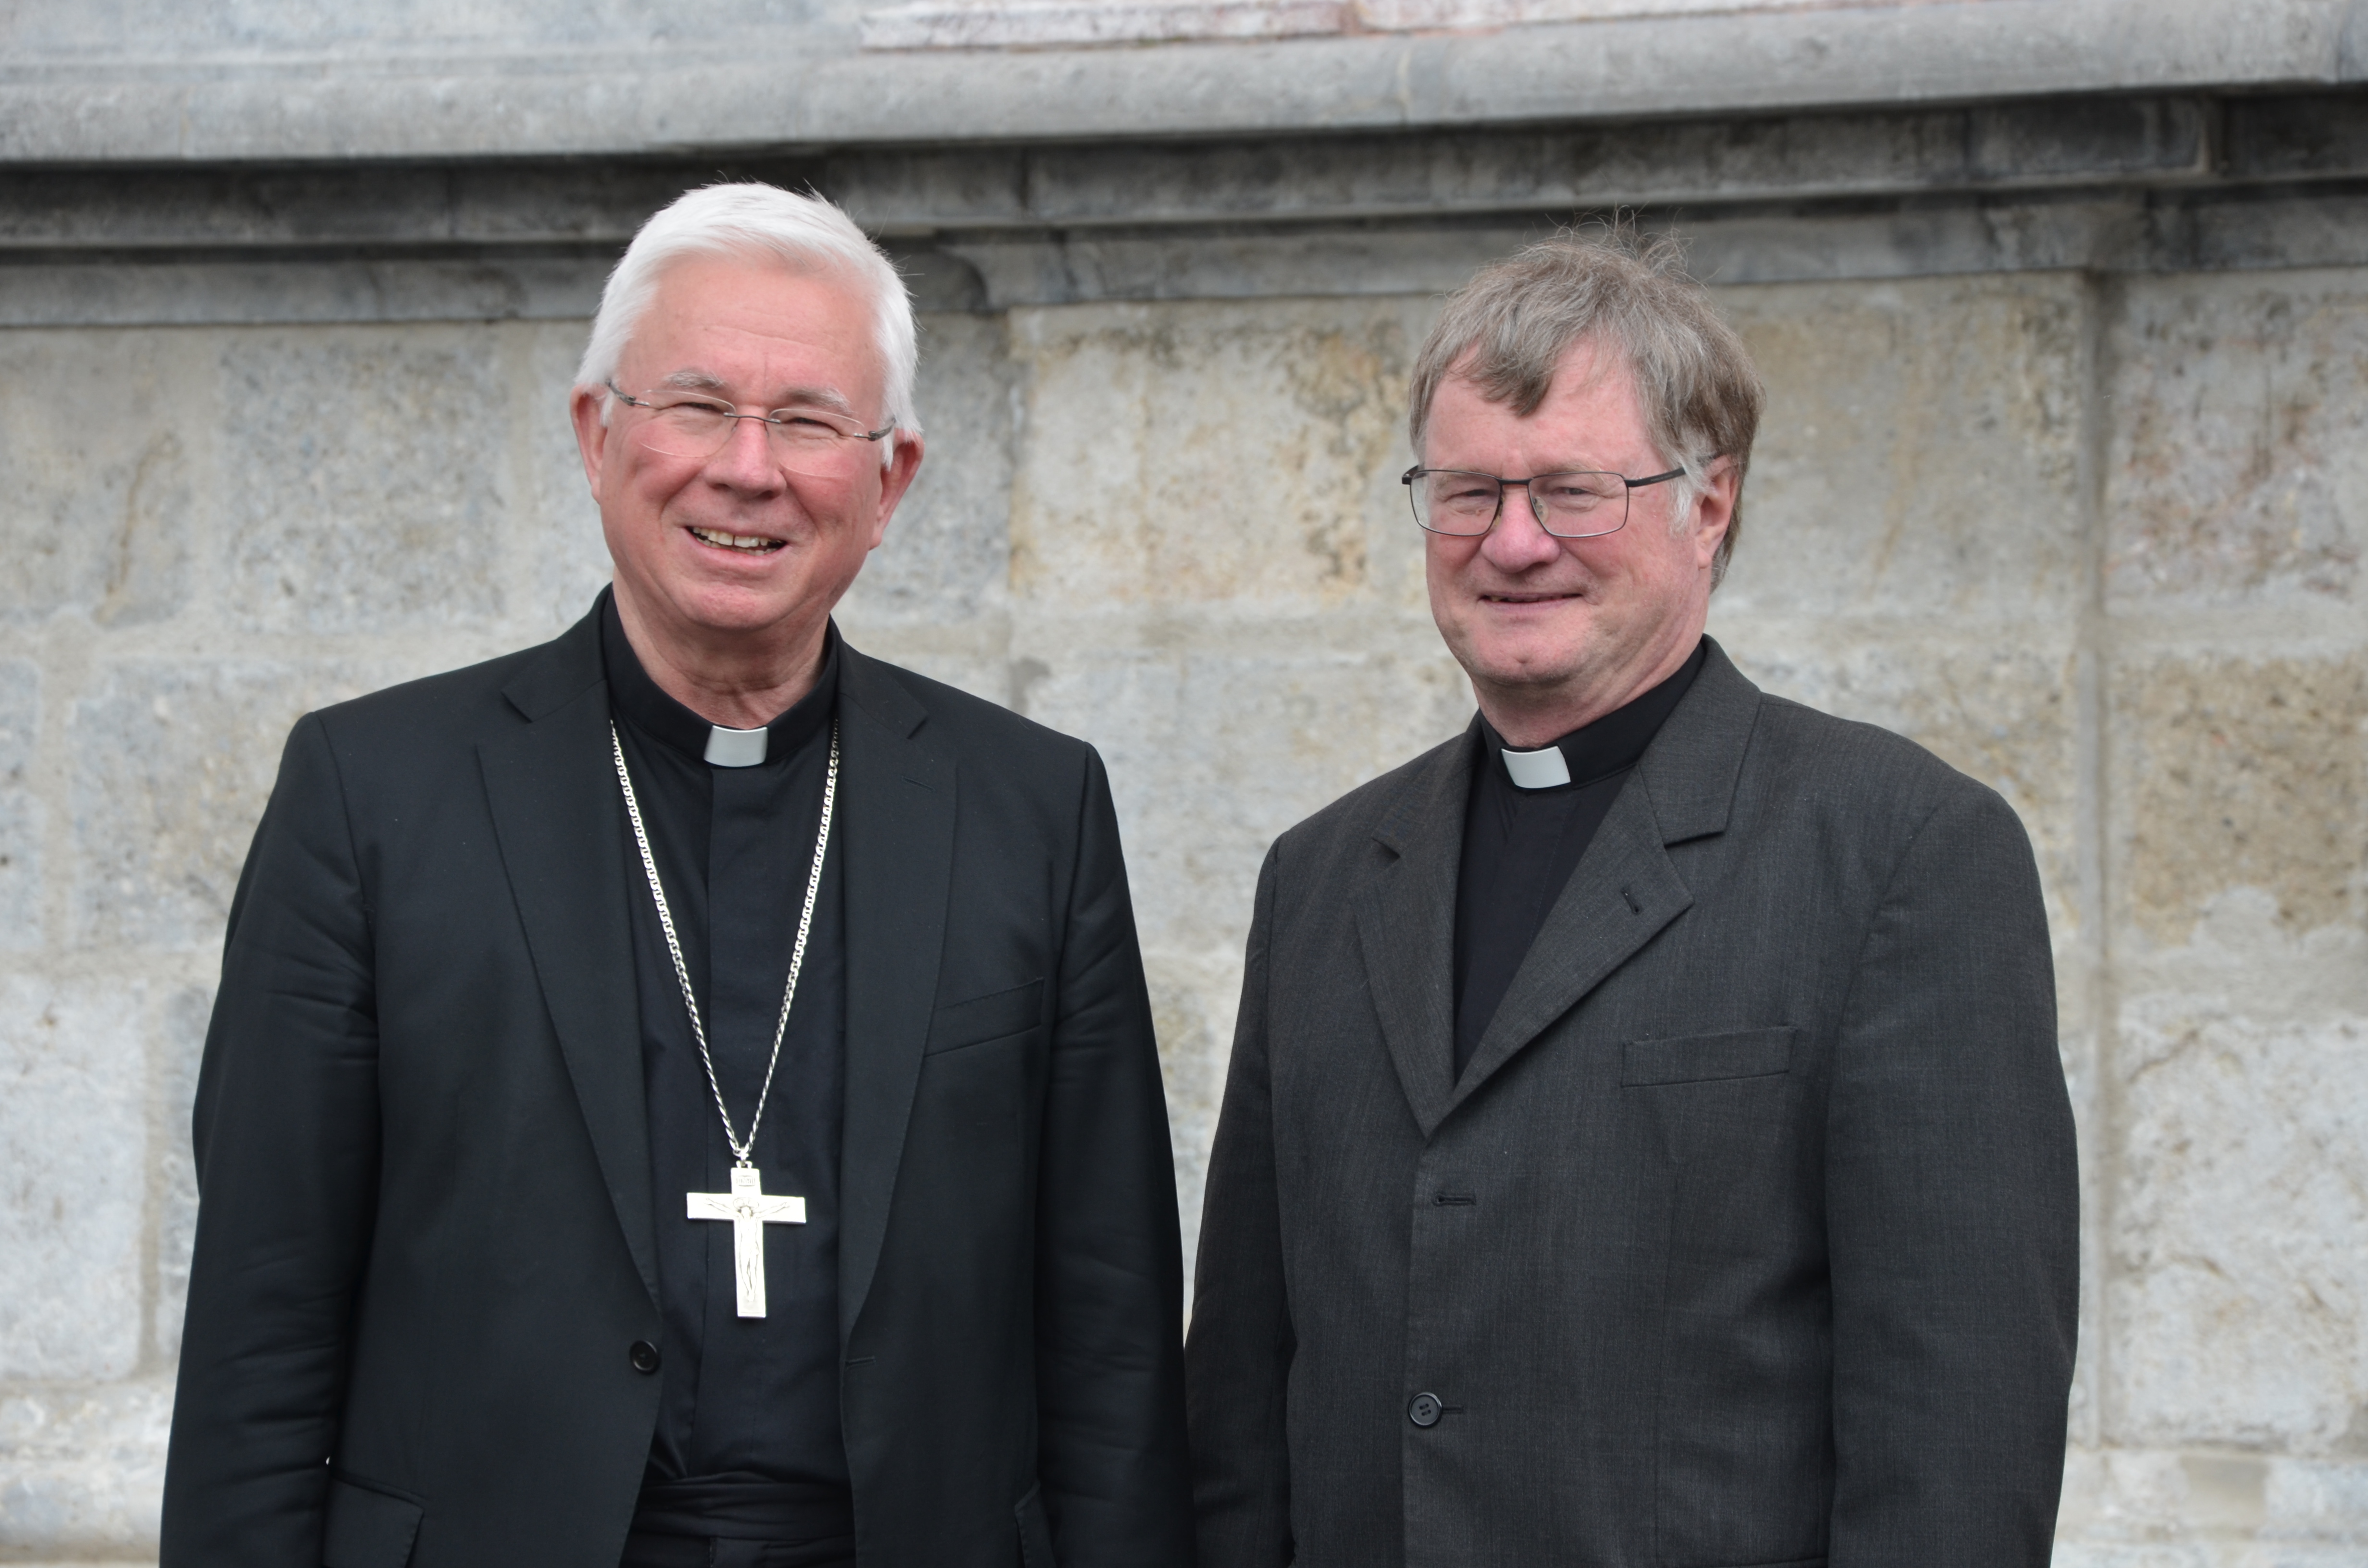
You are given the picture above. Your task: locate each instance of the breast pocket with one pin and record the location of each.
(1707, 1058)
(982, 1018)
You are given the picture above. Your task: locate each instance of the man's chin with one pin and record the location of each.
(1527, 662)
(729, 609)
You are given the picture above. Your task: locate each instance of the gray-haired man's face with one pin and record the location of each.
(1565, 629)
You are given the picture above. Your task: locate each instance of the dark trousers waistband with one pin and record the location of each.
(645, 1549)
(731, 1522)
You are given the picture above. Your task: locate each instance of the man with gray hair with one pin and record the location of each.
(686, 1093)
(1645, 1142)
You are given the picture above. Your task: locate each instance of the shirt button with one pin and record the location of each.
(644, 1356)
(1423, 1410)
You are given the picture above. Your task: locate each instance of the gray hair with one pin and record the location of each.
(758, 223)
(1507, 329)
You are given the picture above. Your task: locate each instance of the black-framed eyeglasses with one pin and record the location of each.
(1580, 503)
(817, 442)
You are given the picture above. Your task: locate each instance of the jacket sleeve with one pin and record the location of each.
(1109, 1265)
(1953, 1210)
(286, 1138)
(1237, 1361)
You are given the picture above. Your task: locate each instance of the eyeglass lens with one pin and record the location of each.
(1569, 505)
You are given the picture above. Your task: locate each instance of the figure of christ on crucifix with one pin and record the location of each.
(750, 1209)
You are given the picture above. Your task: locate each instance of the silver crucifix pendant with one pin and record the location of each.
(750, 1210)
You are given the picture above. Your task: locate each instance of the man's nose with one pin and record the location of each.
(745, 460)
(1517, 543)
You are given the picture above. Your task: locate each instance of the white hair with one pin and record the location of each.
(760, 222)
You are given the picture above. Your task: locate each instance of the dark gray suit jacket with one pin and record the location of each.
(1749, 1236)
(425, 1241)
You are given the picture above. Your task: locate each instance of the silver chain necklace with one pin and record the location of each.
(741, 1148)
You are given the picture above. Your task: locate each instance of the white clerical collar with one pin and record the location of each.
(1530, 769)
(736, 748)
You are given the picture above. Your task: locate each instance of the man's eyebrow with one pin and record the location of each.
(708, 382)
(818, 397)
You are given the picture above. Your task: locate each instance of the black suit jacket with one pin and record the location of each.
(425, 1239)
(1749, 1235)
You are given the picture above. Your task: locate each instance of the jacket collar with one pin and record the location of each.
(560, 822)
(1622, 893)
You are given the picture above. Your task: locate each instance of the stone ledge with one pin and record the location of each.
(2108, 232)
(2052, 145)
(814, 88)
(1053, 24)
(995, 24)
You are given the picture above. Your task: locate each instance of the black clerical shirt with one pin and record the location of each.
(1521, 846)
(750, 1411)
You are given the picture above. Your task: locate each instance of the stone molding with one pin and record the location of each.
(2155, 183)
(1056, 24)
(590, 89)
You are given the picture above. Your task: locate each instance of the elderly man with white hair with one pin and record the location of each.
(686, 1093)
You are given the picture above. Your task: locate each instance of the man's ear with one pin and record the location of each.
(896, 479)
(1714, 508)
(583, 406)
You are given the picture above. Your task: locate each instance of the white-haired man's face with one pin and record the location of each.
(757, 536)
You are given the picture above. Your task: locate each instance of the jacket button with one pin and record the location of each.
(1423, 1410)
(644, 1356)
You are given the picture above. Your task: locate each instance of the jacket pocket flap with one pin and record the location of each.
(367, 1527)
(1701, 1058)
(985, 1017)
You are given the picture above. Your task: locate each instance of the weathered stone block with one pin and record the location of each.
(2234, 471)
(179, 1049)
(2145, 1494)
(2238, 1308)
(948, 547)
(564, 561)
(1213, 752)
(2240, 774)
(1920, 451)
(82, 1471)
(172, 764)
(103, 435)
(2221, 1509)
(365, 477)
(1246, 452)
(1193, 1000)
(2329, 1500)
(74, 1122)
(21, 817)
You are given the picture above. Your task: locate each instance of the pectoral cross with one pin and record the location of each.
(750, 1209)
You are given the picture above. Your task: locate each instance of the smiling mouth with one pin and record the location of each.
(752, 544)
(1529, 599)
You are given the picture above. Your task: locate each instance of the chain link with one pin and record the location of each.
(740, 1147)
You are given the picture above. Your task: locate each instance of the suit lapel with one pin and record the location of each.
(1405, 925)
(896, 829)
(1625, 890)
(1621, 893)
(560, 825)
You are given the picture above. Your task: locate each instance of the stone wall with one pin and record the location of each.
(2061, 477)
(2094, 542)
